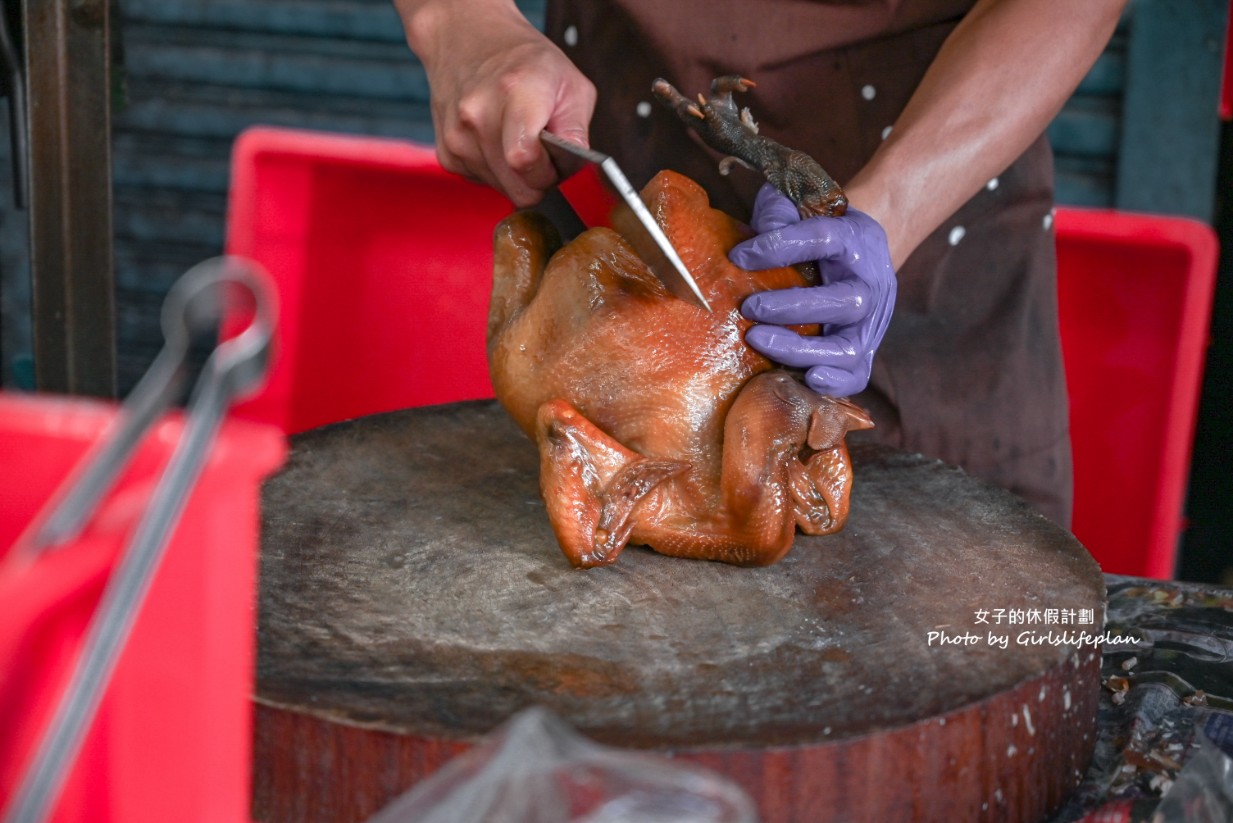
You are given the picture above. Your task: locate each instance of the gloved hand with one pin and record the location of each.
(853, 304)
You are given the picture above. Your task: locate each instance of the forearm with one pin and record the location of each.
(998, 81)
(433, 25)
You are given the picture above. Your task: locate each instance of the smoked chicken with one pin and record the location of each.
(656, 424)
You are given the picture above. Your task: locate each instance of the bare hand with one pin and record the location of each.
(496, 83)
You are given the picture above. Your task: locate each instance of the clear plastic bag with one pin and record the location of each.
(1203, 791)
(536, 769)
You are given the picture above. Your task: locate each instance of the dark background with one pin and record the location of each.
(1207, 543)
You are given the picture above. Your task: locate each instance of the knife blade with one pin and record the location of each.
(650, 241)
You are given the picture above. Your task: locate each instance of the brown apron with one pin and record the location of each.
(970, 370)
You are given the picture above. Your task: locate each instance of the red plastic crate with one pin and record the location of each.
(171, 740)
(1226, 83)
(383, 264)
(1135, 297)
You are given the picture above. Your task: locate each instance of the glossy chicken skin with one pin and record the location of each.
(656, 424)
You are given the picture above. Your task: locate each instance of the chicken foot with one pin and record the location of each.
(730, 130)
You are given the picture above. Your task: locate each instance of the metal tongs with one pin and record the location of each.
(196, 304)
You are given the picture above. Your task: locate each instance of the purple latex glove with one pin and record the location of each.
(853, 304)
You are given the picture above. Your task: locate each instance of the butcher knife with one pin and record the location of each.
(651, 243)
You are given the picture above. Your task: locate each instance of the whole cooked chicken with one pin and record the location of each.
(656, 424)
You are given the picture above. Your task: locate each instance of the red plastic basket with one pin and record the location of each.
(383, 266)
(1135, 296)
(171, 740)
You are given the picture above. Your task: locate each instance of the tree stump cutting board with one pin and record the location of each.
(413, 598)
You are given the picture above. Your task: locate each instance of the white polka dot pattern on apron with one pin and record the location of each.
(992, 184)
(956, 234)
(868, 92)
(571, 36)
(643, 108)
(886, 132)
(1047, 223)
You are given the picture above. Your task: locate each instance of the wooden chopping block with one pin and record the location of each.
(413, 598)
